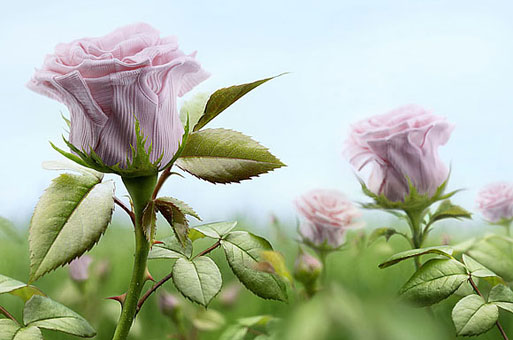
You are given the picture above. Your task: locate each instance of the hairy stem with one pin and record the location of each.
(208, 250)
(7, 314)
(497, 323)
(140, 189)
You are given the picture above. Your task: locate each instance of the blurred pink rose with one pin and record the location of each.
(326, 216)
(106, 81)
(401, 143)
(495, 201)
(79, 268)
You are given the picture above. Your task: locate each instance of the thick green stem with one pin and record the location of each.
(140, 190)
(416, 230)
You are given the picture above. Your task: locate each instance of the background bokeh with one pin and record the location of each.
(348, 60)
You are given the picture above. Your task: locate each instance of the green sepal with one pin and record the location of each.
(412, 202)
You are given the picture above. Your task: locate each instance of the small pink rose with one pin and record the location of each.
(79, 268)
(106, 82)
(495, 201)
(326, 216)
(400, 144)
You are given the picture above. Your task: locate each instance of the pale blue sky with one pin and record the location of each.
(348, 60)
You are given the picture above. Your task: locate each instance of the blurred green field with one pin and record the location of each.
(359, 300)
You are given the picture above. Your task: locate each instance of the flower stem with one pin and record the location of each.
(7, 314)
(140, 189)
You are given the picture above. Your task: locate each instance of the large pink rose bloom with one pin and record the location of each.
(326, 216)
(495, 201)
(400, 144)
(106, 82)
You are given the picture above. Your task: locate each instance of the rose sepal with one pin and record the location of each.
(413, 202)
(140, 164)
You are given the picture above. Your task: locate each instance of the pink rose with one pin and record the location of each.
(400, 144)
(79, 268)
(327, 214)
(106, 82)
(495, 201)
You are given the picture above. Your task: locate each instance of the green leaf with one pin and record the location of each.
(198, 280)
(208, 320)
(495, 254)
(385, 232)
(176, 218)
(67, 164)
(180, 205)
(223, 98)
(252, 325)
(243, 251)
(68, 220)
(448, 210)
(475, 268)
(502, 296)
(473, 316)
(225, 156)
(194, 108)
(216, 230)
(171, 248)
(195, 235)
(45, 313)
(10, 330)
(149, 221)
(436, 280)
(18, 288)
(396, 258)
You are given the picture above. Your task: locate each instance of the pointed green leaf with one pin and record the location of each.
(396, 258)
(495, 254)
(171, 248)
(195, 235)
(67, 164)
(223, 98)
(68, 220)
(277, 262)
(473, 316)
(502, 296)
(385, 232)
(18, 288)
(225, 156)
(448, 210)
(45, 313)
(216, 230)
(243, 251)
(198, 280)
(176, 219)
(182, 206)
(10, 330)
(194, 108)
(475, 268)
(149, 221)
(436, 280)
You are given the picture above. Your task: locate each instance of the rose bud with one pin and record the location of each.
(327, 214)
(495, 202)
(79, 268)
(307, 268)
(400, 145)
(169, 304)
(110, 83)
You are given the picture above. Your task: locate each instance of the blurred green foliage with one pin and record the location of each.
(358, 302)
